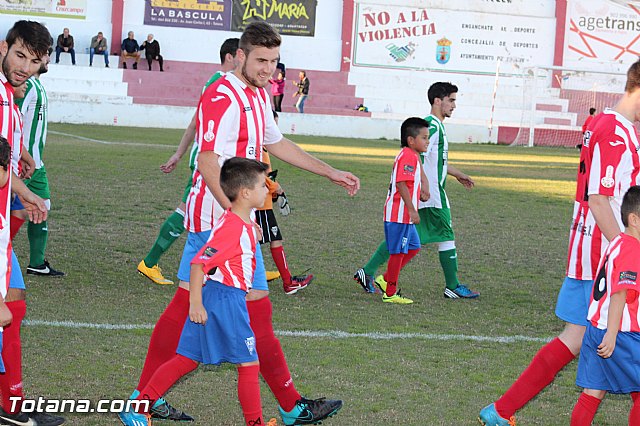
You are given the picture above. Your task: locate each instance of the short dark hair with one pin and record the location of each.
(411, 128)
(229, 46)
(259, 34)
(5, 153)
(633, 77)
(592, 111)
(440, 90)
(34, 36)
(630, 204)
(238, 173)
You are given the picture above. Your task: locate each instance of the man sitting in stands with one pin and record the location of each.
(152, 51)
(65, 44)
(130, 49)
(99, 47)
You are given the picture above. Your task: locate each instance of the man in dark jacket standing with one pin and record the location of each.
(130, 49)
(152, 51)
(65, 44)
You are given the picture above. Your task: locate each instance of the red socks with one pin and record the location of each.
(15, 223)
(166, 376)
(634, 414)
(166, 335)
(11, 381)
(395, 265)
(544, 366)
(273, 365)
(249, 394)
(277, 253)
(585, 410)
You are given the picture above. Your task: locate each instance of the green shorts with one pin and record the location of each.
(39, 183)
(435, 225)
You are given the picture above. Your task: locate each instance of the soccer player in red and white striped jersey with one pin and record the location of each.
(609, 165)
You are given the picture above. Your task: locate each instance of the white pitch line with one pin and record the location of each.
(309, 333)
(83, 138)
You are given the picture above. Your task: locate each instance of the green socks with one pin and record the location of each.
(38, 234)
(449, 262)
(170, 231)
(380, 257)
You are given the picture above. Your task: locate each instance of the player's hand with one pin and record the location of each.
(424, 194)
(414, 216)
(5, 316)
(171, 164)
(466, 181)
(27, 169)
(197, 313)
(346, 180)
(608, 344)
(283, 204)
(258, 231)
(35, 207)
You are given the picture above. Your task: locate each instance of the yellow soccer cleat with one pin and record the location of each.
(272, 275)
(397, 298)
(154, 273)
(381, 283)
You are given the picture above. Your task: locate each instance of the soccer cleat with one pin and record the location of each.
(272, 275)
(154, 273)
(131, 418)
(489, 417)
(396, 298)
(460, 292)
(17, 419)
(298, 282)
(381, 283)
(162, 410)
(45, 419)
(310, 411)
(365, 280)
(44, 270)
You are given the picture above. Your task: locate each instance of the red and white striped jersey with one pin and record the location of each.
(232, 121)
(609, 166)
(406, 168)
(16, 149)
(7, 128)
(229, 255)
(618, 270)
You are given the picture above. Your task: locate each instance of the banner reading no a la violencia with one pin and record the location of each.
(74, 9)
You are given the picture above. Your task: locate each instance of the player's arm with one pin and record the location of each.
(616, 306)
(288, 151)
(425, 194)
(5, 314)
(403, 190)
(34, 205)
(28, 164)
(604, 216)
(197, 312)
(210, 170)
(187, 139)
(464, 179)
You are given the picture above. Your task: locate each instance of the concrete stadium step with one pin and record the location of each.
(88, 86)
(89, 98)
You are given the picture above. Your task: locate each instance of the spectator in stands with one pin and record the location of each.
(277, 90)
(152, 51)
(585, 126)
(99, 47)
(65, 44)
(130, 49)
(303, 91)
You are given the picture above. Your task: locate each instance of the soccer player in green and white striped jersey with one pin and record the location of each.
(173, 226)
(34, 109)
(435, 213)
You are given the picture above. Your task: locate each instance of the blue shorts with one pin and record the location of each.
(16, 204)
(619, 373)
(401, 237)
(197, 240)
(227, 335)
(573, 301)
(16, 280)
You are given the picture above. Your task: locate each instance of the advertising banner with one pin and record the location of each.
(289, 17)
(211, 15)
(74, 9)
(449, 40)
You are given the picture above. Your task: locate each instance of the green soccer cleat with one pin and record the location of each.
(489, 417)
(396, 298)
(381, 283)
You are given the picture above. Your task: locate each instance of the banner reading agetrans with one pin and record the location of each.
(210, 15)
(289, 17)
(74, 9)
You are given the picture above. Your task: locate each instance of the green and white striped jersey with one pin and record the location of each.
(34, 107)
(434, 162)
(193, 155)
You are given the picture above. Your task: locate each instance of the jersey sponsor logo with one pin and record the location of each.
(607, 181)
(580, 228)
(616, 143)
(251, 344)
(628, 278)
(208, 253)
(247, 109)
(209, 135)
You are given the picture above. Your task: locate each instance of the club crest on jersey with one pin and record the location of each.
(208, 253)
(209, 135)
(607, 181)
(628, 278)
(247, 109)
(274, 230)
(251, 344)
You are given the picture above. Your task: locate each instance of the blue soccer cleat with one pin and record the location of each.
(310, 411)
(490, 417)
(460, 292)
(131, 418)
(365, 281)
